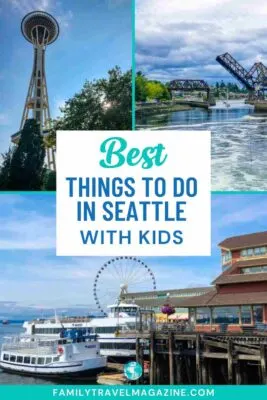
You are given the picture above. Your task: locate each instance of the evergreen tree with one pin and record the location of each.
(50, 180)
(26, 170)
(5, 170)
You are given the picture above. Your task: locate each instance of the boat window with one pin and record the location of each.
(62, 341)
(118, 346)
(128, 310)
(19, 359)
(40, 360)
(106, 329)
(6, 357)
(48, 360)
(27, 360)
(13, 358)
(56, 358)
(45, 331)
(33, 360)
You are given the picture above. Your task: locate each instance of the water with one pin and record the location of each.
(13, 379)
(239, 142)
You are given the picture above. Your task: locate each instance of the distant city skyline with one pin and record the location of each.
(94, 37)
(182, 39)
(32, 275)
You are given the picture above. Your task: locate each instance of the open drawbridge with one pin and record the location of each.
(254, 80)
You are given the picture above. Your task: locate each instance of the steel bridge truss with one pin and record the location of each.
(254, 80)
(188, 85)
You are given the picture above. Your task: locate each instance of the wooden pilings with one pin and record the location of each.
(152, 359)
(195, 358)
(198, 362)
(171, 369)
(230, 361)
(263, 364)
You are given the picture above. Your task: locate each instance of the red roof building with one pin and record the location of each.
(238, 299)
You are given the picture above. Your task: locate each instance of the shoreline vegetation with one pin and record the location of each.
(153, 96)
(155, 108)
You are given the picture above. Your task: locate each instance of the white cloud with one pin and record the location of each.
(56, 8)
(248, 214)
(182, 39)
(51, 283)
(4, 119)
(26, 6)
(27, 231)
(64, 19)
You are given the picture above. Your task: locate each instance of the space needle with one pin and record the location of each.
(40, 29)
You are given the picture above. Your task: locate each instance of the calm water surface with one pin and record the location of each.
(239, 142)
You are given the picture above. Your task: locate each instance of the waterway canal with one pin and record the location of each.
(239, 142)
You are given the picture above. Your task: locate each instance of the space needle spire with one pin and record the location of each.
(40, 29)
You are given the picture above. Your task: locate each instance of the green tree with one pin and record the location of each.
(117, 94)
(5, 169)
(50, 180)
(157, 91)
(141, 92)
(146, 89)
(26, 166)
(104, 104)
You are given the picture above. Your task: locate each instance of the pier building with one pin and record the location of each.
(154, 300)
(238, 300)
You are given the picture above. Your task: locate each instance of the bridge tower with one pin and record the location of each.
(40, 29)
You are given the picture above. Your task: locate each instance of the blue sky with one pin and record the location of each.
(31, 274)
(183, 38)
(94, 37)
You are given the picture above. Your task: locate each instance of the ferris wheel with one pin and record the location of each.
(119, 276)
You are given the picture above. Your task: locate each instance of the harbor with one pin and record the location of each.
(214, 334)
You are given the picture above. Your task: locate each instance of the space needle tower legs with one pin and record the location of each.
(40, 29)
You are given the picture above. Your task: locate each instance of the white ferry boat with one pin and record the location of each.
(115, 332)
(72, 355)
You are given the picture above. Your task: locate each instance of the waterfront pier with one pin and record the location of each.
(195, 358)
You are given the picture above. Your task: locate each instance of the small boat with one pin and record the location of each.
(72, 355)
(5, 322)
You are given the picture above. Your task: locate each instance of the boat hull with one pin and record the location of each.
(79, 370)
